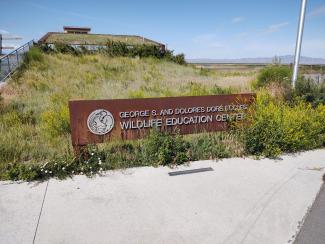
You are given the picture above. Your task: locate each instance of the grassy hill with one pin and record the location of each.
(34, 117)
(95, 39)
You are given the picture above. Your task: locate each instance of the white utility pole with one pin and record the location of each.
(298, 42)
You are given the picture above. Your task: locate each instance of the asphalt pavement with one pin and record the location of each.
(313, 229)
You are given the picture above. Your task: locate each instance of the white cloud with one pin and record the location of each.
(237, 19)
(276, 27)
(3, 32)
(317, 11)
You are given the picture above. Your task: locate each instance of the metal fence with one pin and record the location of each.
(11, 61)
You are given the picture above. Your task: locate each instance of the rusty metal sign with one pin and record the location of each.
(97, 121)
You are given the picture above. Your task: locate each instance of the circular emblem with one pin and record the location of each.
(100, 122)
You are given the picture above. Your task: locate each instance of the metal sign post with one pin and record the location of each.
(298, 42)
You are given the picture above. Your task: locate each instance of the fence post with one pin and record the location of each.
(17, 56)
(9, 69)
(0, 44)
(9, 56)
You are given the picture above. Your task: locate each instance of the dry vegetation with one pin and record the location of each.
(35, 117)
(96, 39)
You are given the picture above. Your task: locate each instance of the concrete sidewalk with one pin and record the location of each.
(240, 201)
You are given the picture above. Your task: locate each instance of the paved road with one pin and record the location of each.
(241, 201)
(313, 229)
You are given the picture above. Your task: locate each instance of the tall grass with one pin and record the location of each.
(34, 118)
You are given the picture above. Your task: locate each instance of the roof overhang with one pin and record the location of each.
(76, 28)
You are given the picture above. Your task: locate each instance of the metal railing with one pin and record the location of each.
(10, 62)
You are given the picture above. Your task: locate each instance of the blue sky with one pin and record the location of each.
(200, 29)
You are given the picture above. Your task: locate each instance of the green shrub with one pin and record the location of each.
(196, 89)
(146, 51)
(274, 74)
(121, 154)
(157, 149)
(33, 55)
(56, 120)
(278, 127)
(118, 49)
(208, 146)
(217, 90)
(123, 49)
(57, 167)
(67, 49)
(161, 148)
(277, 80)
(311, 92)
(180, 59)
(18, 110)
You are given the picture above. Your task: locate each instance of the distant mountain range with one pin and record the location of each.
(287, 59)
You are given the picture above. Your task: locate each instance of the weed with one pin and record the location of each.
(163, 148)
(34, 122)
(274, 74)
(208, 146)
(311, 92)
(277, 127)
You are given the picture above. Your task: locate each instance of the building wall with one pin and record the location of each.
(76, 31)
